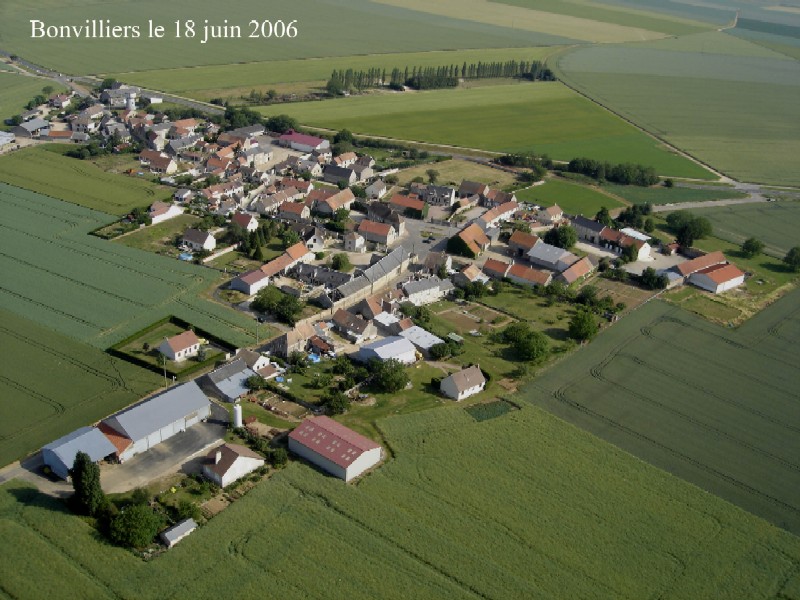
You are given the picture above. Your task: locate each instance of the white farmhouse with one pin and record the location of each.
(229, 462)
(464, 383)
(333, 447)
(180, 347)
(161, 211)
(717, 278)
(425, 291)
(199, 240)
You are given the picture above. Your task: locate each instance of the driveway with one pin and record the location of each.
(180, 452)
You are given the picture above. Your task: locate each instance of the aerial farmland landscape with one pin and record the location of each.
(400, 299)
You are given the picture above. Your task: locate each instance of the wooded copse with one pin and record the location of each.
(428, 78)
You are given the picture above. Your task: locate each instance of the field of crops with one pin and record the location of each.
(674, 195)
(595, 11)
(573, 198)
(717, 407)
(93, 290)
(37, 405)
(580, 25)
(547, 118)
(17, 90)
(206, 82)
(776, 224)
(324, 28)
(77, 181)
(505, 508)
(726, 101)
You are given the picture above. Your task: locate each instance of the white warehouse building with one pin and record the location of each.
(149, 423)
(60, 454)
(334, 448)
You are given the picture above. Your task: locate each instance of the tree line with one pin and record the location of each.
(426, 78)
(622, 173)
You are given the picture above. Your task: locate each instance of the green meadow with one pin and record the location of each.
(546, 118)
(573, 198)
(16, 90)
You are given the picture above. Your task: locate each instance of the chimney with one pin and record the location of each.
(218, 457)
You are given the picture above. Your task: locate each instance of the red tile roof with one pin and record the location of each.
(300, 138)
(526, 273)
(331, 440)
(298, 251)
(367, 226)
(721, 273)
(526, 241)
(119, 441)
(406, 202)
(182, 341)
(579, 269)
(494, 267)
(277, 265)
(242, 219)
(701, 262)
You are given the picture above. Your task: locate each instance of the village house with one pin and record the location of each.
(312, 236)
(180, 347)
(520, 243)
(495, 198)
(250, 283)
(329, 206)
(353, 242)
(409, 207)
(31, 129)
(425, 291)
(470, 274)
(497, 215)
(577, 271)
(379, 233)
(496, 269)
(437, 195)
(618, 241)
(227, 383)
(345, 159)
(376, 190)
(199, 240)
(353, 327)
(247, 222)
(294, 211)
(474, 238)
(230, 462)
(380, 212)
(161, 211)
(464, 383)
(334, 448)
(587, 229)
(435, 261)
(525, 275)
(550, 215)
(294, 340)
(339, 175)
(473, 188)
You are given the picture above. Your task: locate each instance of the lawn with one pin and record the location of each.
(663, 195)
(453, 172)
(78, 181)
(381, 28)
(546, 118)
(567, 516)
(17, 90)
(715, 406)
(731, 104)
(52, 385)
(774, 223)
(95, 291)
(206, 82)
(160, 238)
(575, 199)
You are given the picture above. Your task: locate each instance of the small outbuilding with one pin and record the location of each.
(334, 448)
(175, 534)
(393, 347)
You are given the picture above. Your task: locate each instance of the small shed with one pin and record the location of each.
(175, 534)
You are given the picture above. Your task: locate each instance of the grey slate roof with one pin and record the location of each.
(380, 269)
(421, 338)
(34, 124)
(86, 439)
(230, 379)
(581, 221)
(151, 415)
(415, 287)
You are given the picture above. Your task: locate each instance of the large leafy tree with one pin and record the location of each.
(792, 259)
(563, 237)
(752, 247)
(135, 527)
(89, 497)
(583, 326)
(389, 375)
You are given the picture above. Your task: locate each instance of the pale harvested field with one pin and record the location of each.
(452, 172)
